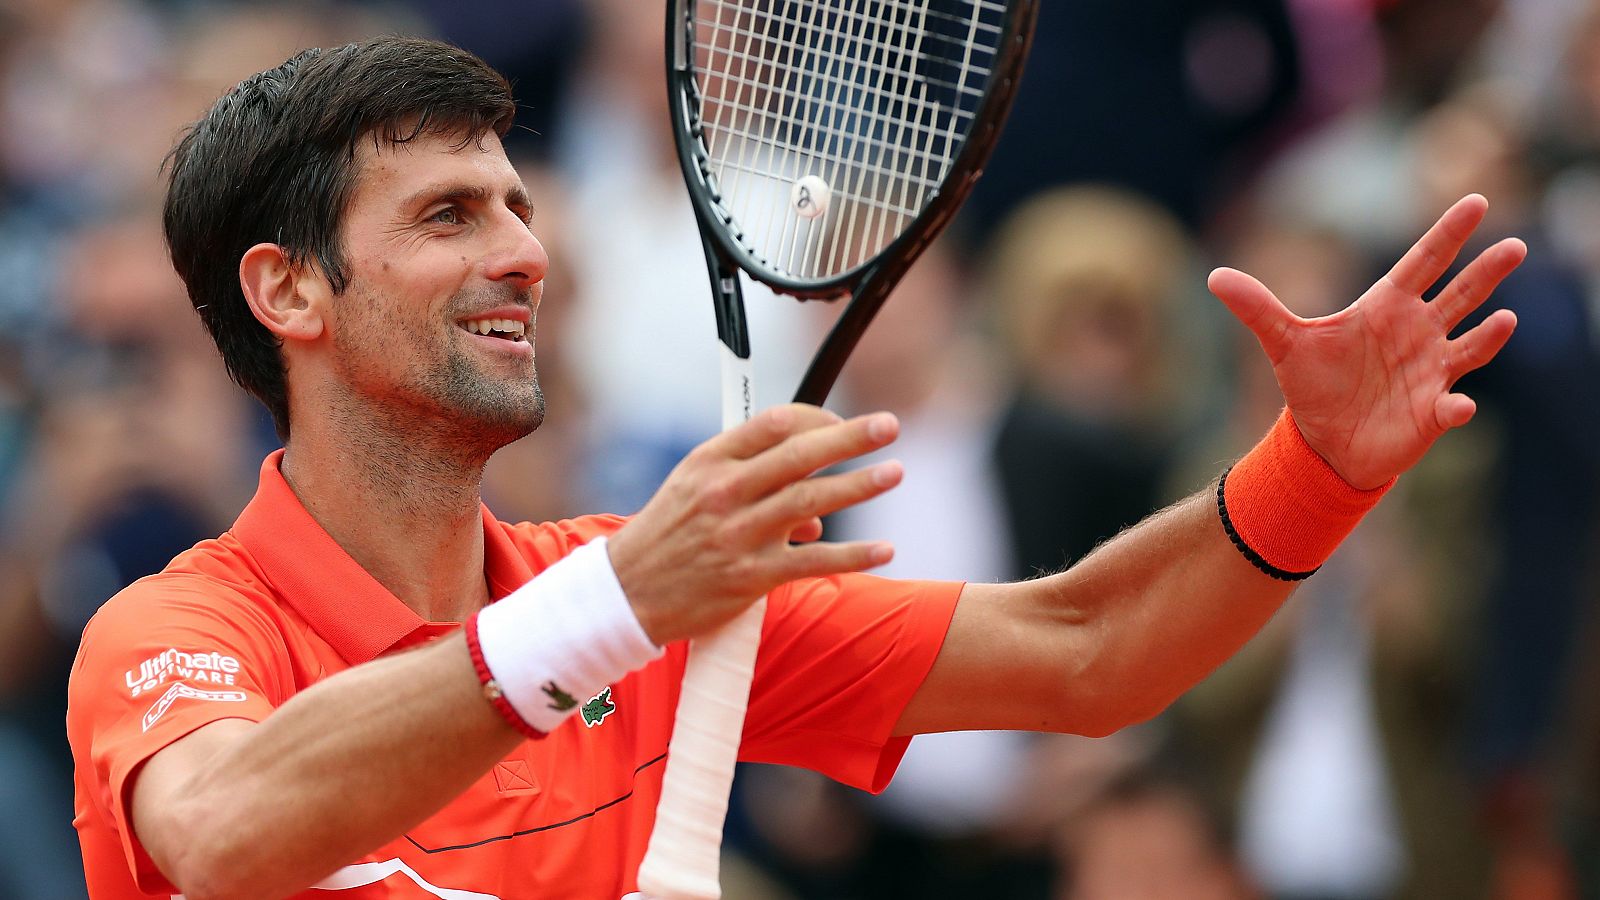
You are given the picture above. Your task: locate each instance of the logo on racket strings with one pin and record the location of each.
(810, 197)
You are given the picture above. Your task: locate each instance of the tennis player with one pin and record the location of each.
(372, 687)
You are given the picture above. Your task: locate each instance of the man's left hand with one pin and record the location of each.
(1370, 385)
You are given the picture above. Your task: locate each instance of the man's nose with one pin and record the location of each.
(519, 256)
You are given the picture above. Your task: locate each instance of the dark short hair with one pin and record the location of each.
(274, 160)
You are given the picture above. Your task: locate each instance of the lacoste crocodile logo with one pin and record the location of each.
(598, 707)
(560, 700)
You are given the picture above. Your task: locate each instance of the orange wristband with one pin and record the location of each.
(1285, 508)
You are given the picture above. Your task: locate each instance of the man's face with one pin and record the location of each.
(439, 252)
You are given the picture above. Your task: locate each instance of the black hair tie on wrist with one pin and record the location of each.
(1249, 552)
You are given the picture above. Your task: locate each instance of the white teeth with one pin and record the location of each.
(504, 326)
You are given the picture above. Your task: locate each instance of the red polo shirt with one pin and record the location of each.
(236, 626)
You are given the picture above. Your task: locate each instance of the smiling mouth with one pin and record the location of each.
(504, 329)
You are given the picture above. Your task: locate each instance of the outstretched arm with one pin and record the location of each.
(1117, 637)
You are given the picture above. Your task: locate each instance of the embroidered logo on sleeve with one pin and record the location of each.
(598, 707)
(179, 691)
(173, 664)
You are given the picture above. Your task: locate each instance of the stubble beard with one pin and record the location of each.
(490, 410)
(450, 402)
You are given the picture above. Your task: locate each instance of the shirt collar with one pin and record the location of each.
(344, 604)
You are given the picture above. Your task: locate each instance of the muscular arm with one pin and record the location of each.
(1107, 643)
(339, 769)
(1117, 637)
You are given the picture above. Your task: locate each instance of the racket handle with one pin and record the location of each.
(684, 854)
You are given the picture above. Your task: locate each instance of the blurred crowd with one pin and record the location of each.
(1412, 725)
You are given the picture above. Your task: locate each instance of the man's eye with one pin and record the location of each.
(448, 216)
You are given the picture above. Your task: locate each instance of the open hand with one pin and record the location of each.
(742, 513)
(1370, 385)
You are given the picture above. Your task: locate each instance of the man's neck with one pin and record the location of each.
(405, 512)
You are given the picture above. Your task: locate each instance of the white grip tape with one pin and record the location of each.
(681, 862)
(567, 633)
(683, 858)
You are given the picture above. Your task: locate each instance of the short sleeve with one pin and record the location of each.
(163, 658)
(840, 659)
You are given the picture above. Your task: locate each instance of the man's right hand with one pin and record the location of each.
(741, 514)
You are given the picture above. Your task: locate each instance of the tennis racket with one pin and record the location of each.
(825, 143)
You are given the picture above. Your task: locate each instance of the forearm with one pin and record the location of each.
(340, 769)
(1148, 615)
(1165, 604)
(1117, 637)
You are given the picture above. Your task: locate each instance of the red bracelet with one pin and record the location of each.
(491, 688)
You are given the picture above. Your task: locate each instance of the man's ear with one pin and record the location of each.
(290, 301)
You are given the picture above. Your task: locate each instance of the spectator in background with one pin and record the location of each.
(1544, 499)
(1162, 97)
(1088, 286)
(1148, 836)
(1567, 152)
(1354, 172)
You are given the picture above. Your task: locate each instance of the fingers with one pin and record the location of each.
(742, 514)
(820, 560)
(1467, 352)
(1454, 410)
(769, 428)
(1473, 285)
(1255, 306)
(1475, 348)
(807, 531)
(1429, 257)
(815, 497)
(801, 455)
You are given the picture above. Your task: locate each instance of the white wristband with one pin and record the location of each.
(563, 637)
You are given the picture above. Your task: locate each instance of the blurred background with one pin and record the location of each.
(1413, 725)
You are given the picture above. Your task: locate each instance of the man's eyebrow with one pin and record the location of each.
(517, 195)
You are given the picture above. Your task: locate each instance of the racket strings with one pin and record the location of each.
(832, 84)
(956, 45)
(874, 97)
(871, 91)
(778, 142)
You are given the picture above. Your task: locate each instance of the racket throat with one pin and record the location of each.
(733, 330)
